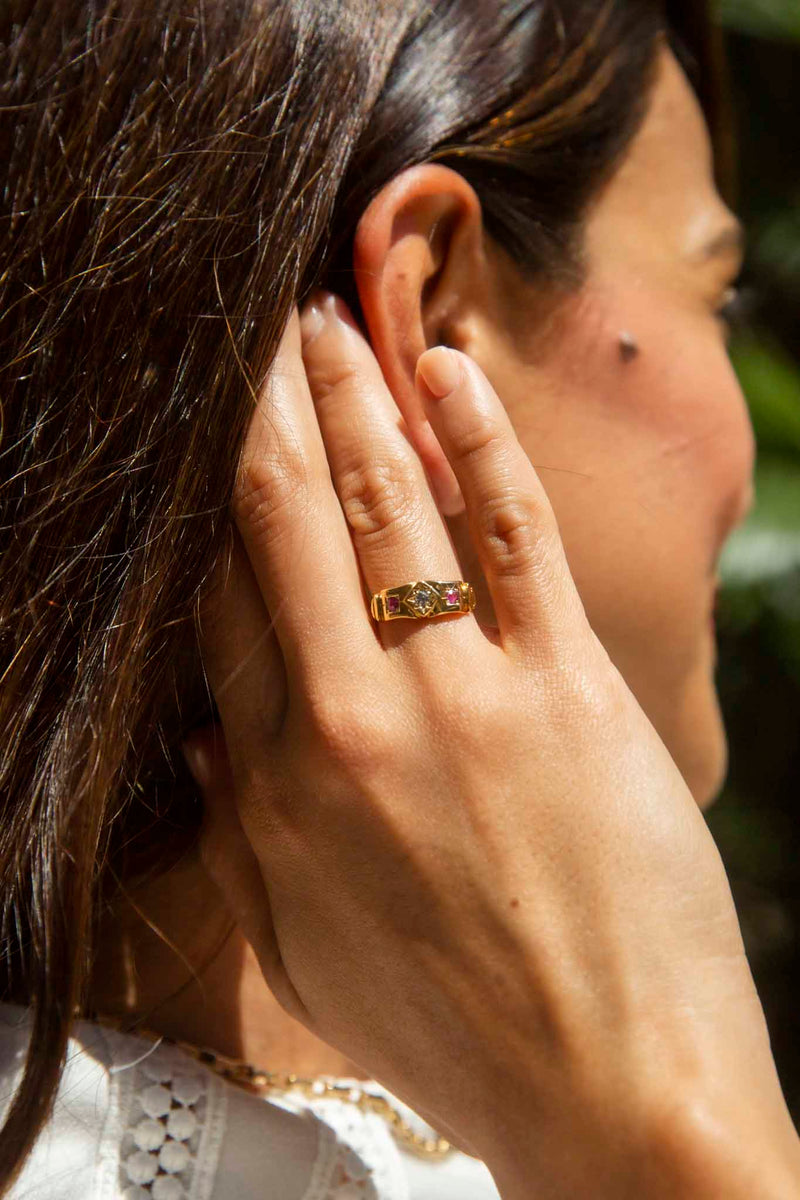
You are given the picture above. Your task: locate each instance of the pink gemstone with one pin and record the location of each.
(393, 604)
(452, 597)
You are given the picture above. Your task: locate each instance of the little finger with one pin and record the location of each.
(511, 520)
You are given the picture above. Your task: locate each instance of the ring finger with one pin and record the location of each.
(397, 529)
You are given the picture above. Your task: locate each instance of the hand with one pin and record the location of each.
(462, 855)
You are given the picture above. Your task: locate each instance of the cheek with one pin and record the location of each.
(645, 459)
(683, 433)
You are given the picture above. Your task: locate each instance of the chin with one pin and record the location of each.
(685, 712)
(702, 756)
(707, 789)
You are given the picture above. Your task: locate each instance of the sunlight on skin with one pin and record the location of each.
(647, 458)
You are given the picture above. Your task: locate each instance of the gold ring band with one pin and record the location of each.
(422, 598)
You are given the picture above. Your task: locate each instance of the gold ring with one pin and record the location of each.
(422, 598)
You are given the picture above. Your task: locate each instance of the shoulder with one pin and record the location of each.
(62, 1161)
(135, 1120)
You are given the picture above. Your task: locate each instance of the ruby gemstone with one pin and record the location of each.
(452, 597)
(393, 604)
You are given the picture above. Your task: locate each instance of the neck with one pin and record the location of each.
(171, 959)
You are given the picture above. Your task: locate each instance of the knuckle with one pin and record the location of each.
(330, 375)
(481, 440)
(581, 695)
(471, 714)
(352, 744)
(260, 490)
(265, 492)
(509, 528)
(377, 498)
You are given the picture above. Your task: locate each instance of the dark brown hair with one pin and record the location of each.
(178, 175)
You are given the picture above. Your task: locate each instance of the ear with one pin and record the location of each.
(423, 279)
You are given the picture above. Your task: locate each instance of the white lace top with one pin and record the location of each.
(138, 1121)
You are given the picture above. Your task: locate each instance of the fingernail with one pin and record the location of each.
(311, 321)
(440, 370)
(335, 309)
(198, 760)
(321, 308)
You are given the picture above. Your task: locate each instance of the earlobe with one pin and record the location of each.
(420, 270)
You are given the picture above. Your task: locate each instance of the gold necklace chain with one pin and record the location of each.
(262, 1081)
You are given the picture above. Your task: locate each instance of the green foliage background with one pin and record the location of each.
(755, 821)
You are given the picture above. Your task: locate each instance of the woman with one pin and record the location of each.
(451, 855)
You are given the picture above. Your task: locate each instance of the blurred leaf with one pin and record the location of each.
(784, 627)
(764, 18)
(767, 547)
(752, 841)
(776, 245)
(771, 381)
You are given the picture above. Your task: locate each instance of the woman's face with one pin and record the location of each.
(647, 457)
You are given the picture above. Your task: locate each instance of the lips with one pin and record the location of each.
(746, 502)
(734, 515)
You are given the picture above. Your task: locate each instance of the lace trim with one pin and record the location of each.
(350, 1178)
(169, 1117)
(340, 1172)
(165, 1126)
(356, 1157)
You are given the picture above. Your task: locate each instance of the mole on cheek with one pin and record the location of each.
(628, 347)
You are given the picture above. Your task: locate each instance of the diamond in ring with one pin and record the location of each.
(421, 599)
